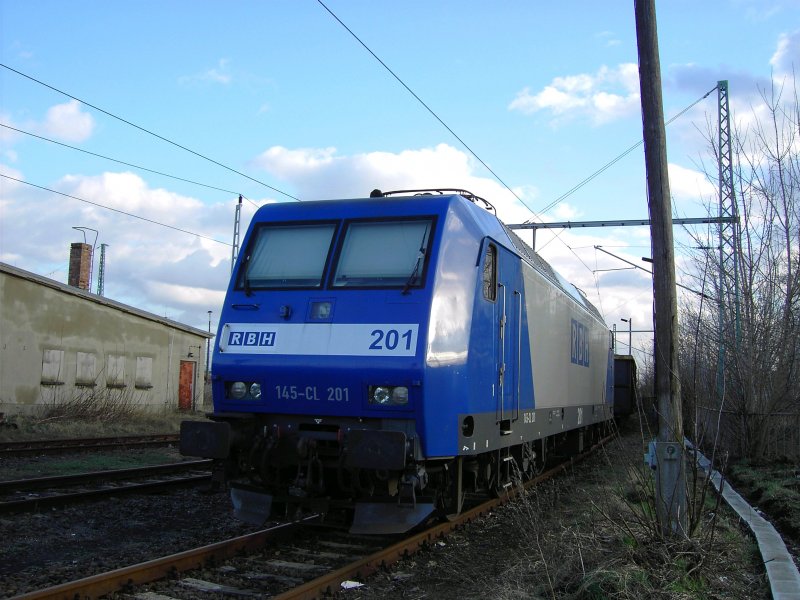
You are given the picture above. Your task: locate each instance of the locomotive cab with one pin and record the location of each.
(317, 374)
(386, 354)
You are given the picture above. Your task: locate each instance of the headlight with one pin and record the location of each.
(238, 390)
(255, 391)
(388, 395)
(400, 395)
(381, 395)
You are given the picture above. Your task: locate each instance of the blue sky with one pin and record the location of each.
(544, 93)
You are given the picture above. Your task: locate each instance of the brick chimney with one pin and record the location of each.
(80, 265)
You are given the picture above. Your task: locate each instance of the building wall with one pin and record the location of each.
(58, 343)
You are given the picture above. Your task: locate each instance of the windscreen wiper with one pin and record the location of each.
(248, 291)
(415, 272)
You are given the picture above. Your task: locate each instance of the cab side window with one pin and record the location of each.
(490, 273)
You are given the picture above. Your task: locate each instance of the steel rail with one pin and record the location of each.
(38, 483)
(159, 568)
(331, 582)
(31, 504)
(119, 579)
(34, 447)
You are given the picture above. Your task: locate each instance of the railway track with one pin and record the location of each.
(46, 492)
(40, 447)
(315, 560)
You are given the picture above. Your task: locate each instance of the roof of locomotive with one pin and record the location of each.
(483, 214)
(544, 267)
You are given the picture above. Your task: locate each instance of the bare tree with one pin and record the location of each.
(761, 335)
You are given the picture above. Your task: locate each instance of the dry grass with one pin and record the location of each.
(591, 535)
(105, 414)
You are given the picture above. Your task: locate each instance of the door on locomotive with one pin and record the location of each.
(508, 321)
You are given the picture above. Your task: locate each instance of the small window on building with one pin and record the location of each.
(490, 273)
(86, 369)
(144, 372)
(115, 371)
(52, 367)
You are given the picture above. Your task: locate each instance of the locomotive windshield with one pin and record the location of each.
(285, 256)
(384, 254)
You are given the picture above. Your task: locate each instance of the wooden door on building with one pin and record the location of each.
(186, 385)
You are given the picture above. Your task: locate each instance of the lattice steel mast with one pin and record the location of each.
(101, 271)
(728, 301)
(237, 220)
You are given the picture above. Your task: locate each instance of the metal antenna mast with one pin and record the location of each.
(101, 271)
(728, 302)
(237, 220)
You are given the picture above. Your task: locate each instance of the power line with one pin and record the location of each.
(465, 145)
(558, 235)
(428, 108)
(161, 137)
(621, 156)
(122, 162)
(127, 214)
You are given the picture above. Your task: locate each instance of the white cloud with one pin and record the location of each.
(689, 184)
(608, 38)
(182, 276)
(323, 173)
(7, 186)
(67, 122)
(758, 11)
(787, 54)
(155, 268)
(604, 96)
(288, 164)
(7, 135)
(320, 173)
(198, 297)
(219, 74)
(566, 212)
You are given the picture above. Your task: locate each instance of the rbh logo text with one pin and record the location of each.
(579, 346)
(251, 338)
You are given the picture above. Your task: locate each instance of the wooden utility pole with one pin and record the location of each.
(667, 455)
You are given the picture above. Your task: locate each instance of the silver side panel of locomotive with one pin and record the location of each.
(569, 345)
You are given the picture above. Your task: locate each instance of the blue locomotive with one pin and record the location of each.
(392, 353)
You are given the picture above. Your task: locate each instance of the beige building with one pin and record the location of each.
(60, 343)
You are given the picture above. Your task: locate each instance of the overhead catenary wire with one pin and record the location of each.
(127, 214)
(140, 128)
(445, 125)
(441, 121)
(557, 236)
(428, 108)
(122, 162)
(621, 156)
(635, 266)
(469, 149)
